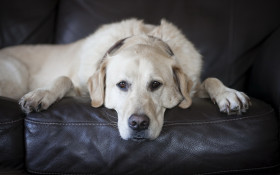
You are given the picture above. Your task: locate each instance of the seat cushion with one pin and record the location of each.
(11, 137)
(73, 137)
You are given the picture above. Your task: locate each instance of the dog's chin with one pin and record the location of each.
(135, 136)
(139, 140)
(141, 137)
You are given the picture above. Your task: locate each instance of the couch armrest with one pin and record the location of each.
(264, 81)
(11, 137)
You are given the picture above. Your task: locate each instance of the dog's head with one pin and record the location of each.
(139, 78)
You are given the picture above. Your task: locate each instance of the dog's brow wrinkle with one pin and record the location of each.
(113, 49)
(116, 46)
(167, 47)
(169, 50)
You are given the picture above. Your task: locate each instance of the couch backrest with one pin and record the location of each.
(27, 22)
(227, 33)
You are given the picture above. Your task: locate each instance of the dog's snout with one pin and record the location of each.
(138, 122)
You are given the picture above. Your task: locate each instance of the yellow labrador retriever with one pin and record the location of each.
(137, 69)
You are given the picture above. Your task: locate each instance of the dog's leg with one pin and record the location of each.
(40, 99)
(13, 77)
(230, 101)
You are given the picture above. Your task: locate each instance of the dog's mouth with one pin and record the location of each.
(139, 139)
(136, 139)
(139, 136)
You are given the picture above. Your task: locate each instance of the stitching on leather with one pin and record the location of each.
(109, 115)
(10, 122)
(217, 172)
(218, 121)
(38, 172)
(70, 124)
(12, 172)
(240, 170)
(165, 125)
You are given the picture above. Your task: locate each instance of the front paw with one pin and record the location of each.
(231, 101)
(36, 100)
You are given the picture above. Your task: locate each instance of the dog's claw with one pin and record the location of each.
(233, 102)
(38, 109)
(213, 100)
(37, 101)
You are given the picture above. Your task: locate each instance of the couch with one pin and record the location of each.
(240, 44)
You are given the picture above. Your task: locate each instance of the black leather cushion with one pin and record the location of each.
(73, 137)
(11, 137)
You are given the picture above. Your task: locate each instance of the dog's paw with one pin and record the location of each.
(36, 100)
(231, 101)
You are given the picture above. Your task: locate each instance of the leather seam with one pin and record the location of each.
(70, 124)
(38, 172)
(11, 122)
(216, 172)
(165, 125)
(219, 121)
(241, 170)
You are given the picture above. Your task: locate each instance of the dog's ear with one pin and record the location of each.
(96, 86)
(184, 85)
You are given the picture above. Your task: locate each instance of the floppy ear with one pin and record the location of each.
(96, 86)
(185, 86)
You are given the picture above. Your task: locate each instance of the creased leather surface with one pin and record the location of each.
(11, 137)
(73, 137)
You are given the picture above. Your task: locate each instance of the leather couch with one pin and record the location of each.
(240, 44)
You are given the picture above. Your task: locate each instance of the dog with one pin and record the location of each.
(137, 69)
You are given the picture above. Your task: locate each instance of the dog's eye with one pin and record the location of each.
(154, 85)
(123, 85)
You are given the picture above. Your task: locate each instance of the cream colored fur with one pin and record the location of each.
(43, 74)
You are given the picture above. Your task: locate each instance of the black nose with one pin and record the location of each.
(138, 122)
